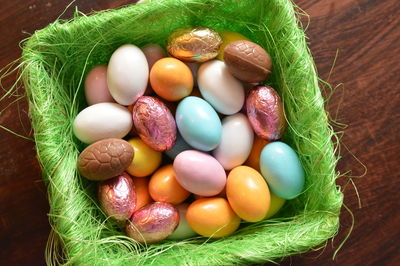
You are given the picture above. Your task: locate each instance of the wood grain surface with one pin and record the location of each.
(363, 36)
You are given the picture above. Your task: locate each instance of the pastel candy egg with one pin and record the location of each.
(236, 141)
(198, 123)
(154, 123)
(218, 87)
(183, 231)
(282, 170)
(142, 192)
(265, 112)
(248, 193)
(153, 53)
(254, 158)
(102, 121)
(96, 89)
(171, 79)
(145, 161)
(212, 217)
(199, 173)
(128, 74)
(276, 204)
(164, 187)
(117, 197)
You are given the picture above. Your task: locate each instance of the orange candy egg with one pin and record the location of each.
(142, 192)
(212, 217)
(248, 193)
(164, 187)
(254, 158)
(171, 79)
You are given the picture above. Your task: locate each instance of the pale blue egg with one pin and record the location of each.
(282, 170)
(198, 123)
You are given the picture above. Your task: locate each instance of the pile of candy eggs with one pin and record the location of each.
(146, 108)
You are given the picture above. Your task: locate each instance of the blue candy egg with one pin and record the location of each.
(282, 170)
(198, 123)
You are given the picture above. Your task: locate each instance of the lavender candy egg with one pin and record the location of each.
(153, 222)
(117, 197)
(154, 123)
(265, 112)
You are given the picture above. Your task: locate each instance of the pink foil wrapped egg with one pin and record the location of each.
(153, 222)
(265, 112)
(117, 197)
(154, 123)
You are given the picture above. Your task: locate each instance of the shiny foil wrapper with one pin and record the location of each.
(154, 123)
(194, 44)
(153, 222)
(117, 197)
(265, 112)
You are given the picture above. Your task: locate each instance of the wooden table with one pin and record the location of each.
(363, 36)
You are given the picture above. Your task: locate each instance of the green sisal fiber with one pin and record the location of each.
(54, 63)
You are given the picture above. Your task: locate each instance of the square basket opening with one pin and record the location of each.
(55, 61)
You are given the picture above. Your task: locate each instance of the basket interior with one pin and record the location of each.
(56, 60)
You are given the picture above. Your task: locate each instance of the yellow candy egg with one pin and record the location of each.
(228, 37)
(275, 206)
(212, 217)
(145, 160)
(248, 193)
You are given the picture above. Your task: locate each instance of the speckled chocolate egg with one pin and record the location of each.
(105, 159)
(117, 197)
(153, 222)
(194, 44)
(154, 123)
(247, 61)
(265, 112)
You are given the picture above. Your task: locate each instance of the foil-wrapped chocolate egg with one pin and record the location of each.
(117, 197)
(153, 222)
(194, 44)
(154, 123)
(265, 112)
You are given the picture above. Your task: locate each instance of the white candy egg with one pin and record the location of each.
(101, 121)
(218, 87)
(236, 141)
(127, 74)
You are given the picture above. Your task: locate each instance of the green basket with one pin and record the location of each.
(55, 61)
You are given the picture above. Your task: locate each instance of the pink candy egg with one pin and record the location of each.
(96, 89)
(117, 197)
(199, 173)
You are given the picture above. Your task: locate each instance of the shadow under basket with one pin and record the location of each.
(55, 62)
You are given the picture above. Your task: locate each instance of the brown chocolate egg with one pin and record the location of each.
(117, 197)
(154, 123)
(194, 44)
(105, 159)
(247, 61)
(265, 112)
(153, 222)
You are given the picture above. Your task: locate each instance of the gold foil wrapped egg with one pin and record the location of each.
(194, 44)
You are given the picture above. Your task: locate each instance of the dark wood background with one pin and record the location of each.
(365, 36)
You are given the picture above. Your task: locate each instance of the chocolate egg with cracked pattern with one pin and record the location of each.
(154, 123)
(153, 222)
(247, 61)
(105, 159)
(117, 197)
